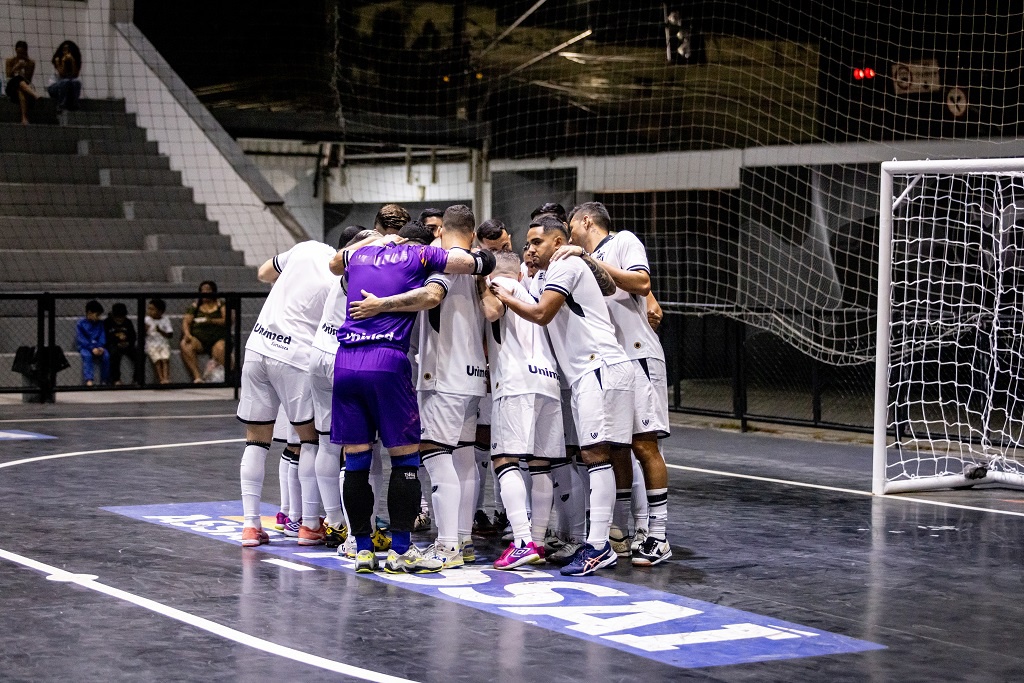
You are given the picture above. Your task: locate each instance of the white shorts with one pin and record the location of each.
(483, 411)
(284, 432)
(650, 413)
(269, 384)
(569, 433)
(447, 420)
(602, 404)
(321, 385)
(527, 426)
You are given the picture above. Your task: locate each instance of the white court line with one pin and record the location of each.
(114, 417)
(54, 456)
(290, 565)
(89, 581)
(855, 492)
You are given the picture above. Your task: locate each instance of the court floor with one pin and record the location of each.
(118, 561)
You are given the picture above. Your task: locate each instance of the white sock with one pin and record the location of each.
(483, 473)
(513, 494)
(499, 505)
(425, 504)
(283, 464)
(251, 472)
(341, 487)
(541, 491)
(602, 499)
(620, 514)
(446, 492)
(294, 489)
(469, 482)
(639, 498)
(328, 471)
(528, 481)
(309, 486)
(376, 480)
(657, 503)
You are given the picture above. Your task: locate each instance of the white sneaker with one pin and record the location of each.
(468, 551)
(450, 557)
(619, 541)
(348, 548)
(652, 552)
(413, 561)
(639, 536)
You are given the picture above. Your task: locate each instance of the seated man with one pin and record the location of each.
(19, 70)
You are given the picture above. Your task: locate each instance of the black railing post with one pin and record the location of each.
(816, 371)
(140, 343)
(739, 377)
(236, 359)
(46, 310)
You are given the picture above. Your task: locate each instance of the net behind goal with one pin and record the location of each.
(949, 401)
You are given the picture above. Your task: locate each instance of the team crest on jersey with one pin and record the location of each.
(494, 445)
(593, 435)
(646, 422)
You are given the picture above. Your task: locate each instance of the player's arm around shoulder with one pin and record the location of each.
(420, 299)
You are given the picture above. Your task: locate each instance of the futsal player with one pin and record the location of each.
(625, 259)
(598, 371)
(373, 393)
(276, 374)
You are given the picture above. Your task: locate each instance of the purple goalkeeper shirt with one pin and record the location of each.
(385, 271)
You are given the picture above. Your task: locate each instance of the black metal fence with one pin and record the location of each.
(39, 358)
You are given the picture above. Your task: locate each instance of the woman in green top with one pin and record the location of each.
(204, 329)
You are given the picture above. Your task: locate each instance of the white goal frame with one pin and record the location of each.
(887, 206)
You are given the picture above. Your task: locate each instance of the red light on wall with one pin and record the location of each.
(869, 72)
(858, 74)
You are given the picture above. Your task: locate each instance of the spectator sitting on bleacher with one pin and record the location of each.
(19, 70)
(66, 90)
(91, 339)
(204, 329)
(158, 331)
(121, 341)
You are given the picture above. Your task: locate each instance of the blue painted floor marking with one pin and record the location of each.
(655, 624)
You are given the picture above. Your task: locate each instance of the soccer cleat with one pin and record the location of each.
(381, 541)
(516, 556)
(413, 561)
(422, 522)
(482, 524)
(252, 537)
(565, 554)
(334, 537)
(348, 548)
(652, 552)
(291, 528)
(639, 536)
(282, 519)
(366, 562)
(450, 558)
(309, 536)
(589, 560)
(468, 551)
(619, 541)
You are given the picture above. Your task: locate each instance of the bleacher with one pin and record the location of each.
(89, 205)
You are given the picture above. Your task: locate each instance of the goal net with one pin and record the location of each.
(949, 403)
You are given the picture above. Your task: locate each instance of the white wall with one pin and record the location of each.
(392, 183)
(293, 178)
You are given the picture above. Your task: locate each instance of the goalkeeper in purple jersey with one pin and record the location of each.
(373, 392)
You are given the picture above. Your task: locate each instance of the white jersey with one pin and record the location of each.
(521, 359)
(335, 310)
(629, 311)
(287, 322)
(451, 344)
(581, 332)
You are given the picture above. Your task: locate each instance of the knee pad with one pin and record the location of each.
(409, 460)
(358, 462)
(359, 501)
(403, 496)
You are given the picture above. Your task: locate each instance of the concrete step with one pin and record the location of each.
(44, 111)
(240, 278)
(32, 266)
(97, 118)
(70, 144)
(98, 146)
(42, 135)
(18, 232)
(54, 164)
(36, 199)
(29, 170)
(184, 241)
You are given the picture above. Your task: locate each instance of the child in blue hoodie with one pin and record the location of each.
(92, 341)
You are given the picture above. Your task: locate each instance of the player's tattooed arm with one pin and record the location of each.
(418, 299)
(603, 277)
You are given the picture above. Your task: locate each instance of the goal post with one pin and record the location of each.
(949, 378)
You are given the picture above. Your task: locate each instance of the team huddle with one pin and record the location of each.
(435, 343)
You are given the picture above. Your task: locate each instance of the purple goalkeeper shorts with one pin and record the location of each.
(373, 394)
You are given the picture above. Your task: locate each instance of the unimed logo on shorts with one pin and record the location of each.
(655, 624)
